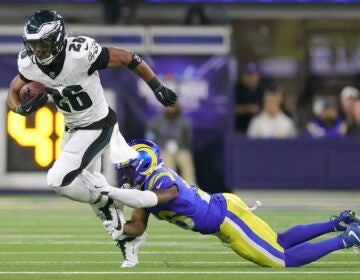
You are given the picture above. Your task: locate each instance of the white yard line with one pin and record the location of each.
(160, 262)
(290, 271)
(141, 252)
(87, 237)
(147, 244)
(111, 252)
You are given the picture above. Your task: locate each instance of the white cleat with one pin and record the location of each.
(130, 250)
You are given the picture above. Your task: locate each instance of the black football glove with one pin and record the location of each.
(165, 96)
(51, 91)
(31, 105)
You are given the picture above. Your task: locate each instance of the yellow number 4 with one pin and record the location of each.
(39, 136)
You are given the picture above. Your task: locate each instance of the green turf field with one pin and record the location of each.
(55, 238)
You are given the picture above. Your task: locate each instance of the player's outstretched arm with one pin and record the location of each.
(130, 197)
(138, 223)
(142, 199)
(121, 57)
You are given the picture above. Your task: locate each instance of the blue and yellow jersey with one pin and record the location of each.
(192, 209)
(226, 215)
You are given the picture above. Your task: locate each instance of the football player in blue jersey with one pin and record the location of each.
(153, 188)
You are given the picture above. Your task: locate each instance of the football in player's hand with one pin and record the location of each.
(30, 90)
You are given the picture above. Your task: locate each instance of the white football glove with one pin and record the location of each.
(95, 182)
(115, 227)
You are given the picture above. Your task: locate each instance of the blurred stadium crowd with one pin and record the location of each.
(261, 113)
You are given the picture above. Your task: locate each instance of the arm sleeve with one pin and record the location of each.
(134, 198)
(87, 51)
(101, 62)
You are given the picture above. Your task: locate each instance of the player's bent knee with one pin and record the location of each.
(77, 191)
(58, 176)
(54, 177)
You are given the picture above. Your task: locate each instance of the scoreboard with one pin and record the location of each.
(30, 145)
(39, 137)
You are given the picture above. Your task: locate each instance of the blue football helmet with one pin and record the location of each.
(44, 36)
(135, 171)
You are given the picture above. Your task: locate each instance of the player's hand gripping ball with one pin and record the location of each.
(33, 95)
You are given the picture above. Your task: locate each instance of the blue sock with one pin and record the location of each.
(308, 252)
(301, 233)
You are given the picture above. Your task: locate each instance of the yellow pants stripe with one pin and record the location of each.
(249, 236)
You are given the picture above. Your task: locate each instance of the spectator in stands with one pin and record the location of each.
(348, 97)
(327, 123)
(173, 133)
(249, 94)
(272, 122)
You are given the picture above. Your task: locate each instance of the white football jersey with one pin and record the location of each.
(80, 97)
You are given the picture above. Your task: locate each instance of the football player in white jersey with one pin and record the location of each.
(68, 68)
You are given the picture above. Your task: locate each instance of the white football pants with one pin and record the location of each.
(83, 149)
